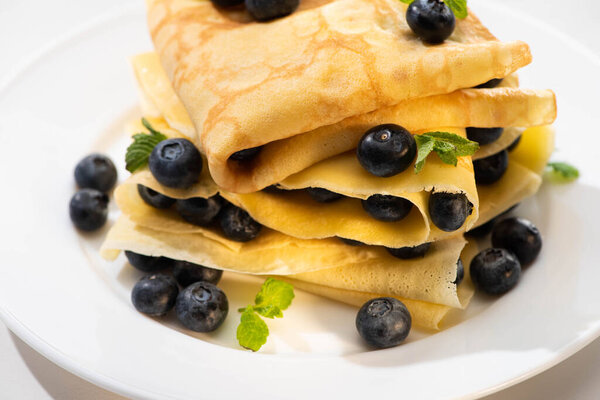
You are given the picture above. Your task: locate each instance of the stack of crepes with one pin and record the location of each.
(304, 89)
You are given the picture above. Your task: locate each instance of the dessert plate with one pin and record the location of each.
(74, 308)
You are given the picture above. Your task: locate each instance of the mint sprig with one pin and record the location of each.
(274, 297)
(458, 7)
(563, 171)
(139, 151)
(448, 146)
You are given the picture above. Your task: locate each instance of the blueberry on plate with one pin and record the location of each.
(490, 169)
(482, 230)
(246, 154)
(323, 195)
(176, 163)
(514, 144)
(492, 83)
(88, 209)
(96, 171)
(265, 10)
(383, 322)
(495, 271)
(200, 211)
(148, 263)
(387, 208)
(227, 3)
(406, 253)
(386, 150)
(351, 242)
(187, 273)
(155, 295)
(460, 272)
(449, 211)
(519, 236)
(484, 135)
(238, 225)
(153, 198)
(202, 307)
(431, 20)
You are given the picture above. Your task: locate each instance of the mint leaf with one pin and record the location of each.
(448, 146)
(424, 147)
(252, 332)
(458, 7)
(139, 151)
(446, 152)
(275, 293)
(407, 1)
(564, 171)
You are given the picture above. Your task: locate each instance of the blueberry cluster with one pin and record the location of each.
(262, 10)
(200, 305)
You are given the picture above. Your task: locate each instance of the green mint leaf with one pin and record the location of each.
(139, 151)
(269, 311)
(424, 147)
(275, 293)
(564, 171)
(407, 1)
(458, 7)
(252, 332)
(446, 152)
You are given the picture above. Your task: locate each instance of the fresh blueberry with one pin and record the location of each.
(153, 198)
(89, 209)
(96, 171)
(187, 273)
(492, 83)
(406, 253)
(387, 208)
(490, 169)
(245, 155)
(514, 144)
(519, 236)
(227, 3)
(265, 10)
(202, 307)
(460, 272)
(431, 20)
(351, 242)
(155, 295)
(449, 211)
(176, 163)
(200, 211)
(148, 263)
(482, 230)
(484, 135)
(383, 322)
(323, 195)
(495, 271)
(386, 150)
(238, 225)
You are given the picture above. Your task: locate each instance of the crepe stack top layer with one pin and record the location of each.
(247, 84)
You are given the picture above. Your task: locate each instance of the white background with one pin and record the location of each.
(27, 25)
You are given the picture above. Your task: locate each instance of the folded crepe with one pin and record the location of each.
(246, 84)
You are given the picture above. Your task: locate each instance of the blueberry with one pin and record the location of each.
(519, 236)
(383, 322)
(460, 272)
(386, 150)
(148, 263)
(406, 253)
(387, 208)
(495, 271)
(200, 211)
(176, 163)
(514, 144)
(245, 155)
(227, 3)
(264, 10)
(490, 169)
(484, 135)
(351, 242)
(431, 20)
(482, 230)
(449, 211)
(155, 295)
(96, 171)
(323, 195)
(492, 83)
(187, 273)
(89, 209)
(238, 225)
(202, 307)
(153, 198)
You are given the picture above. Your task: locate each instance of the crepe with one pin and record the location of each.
(245, 84)
(505, 140)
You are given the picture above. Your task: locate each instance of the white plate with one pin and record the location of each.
(63, 300)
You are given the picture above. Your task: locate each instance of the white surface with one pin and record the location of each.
(63, 159)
